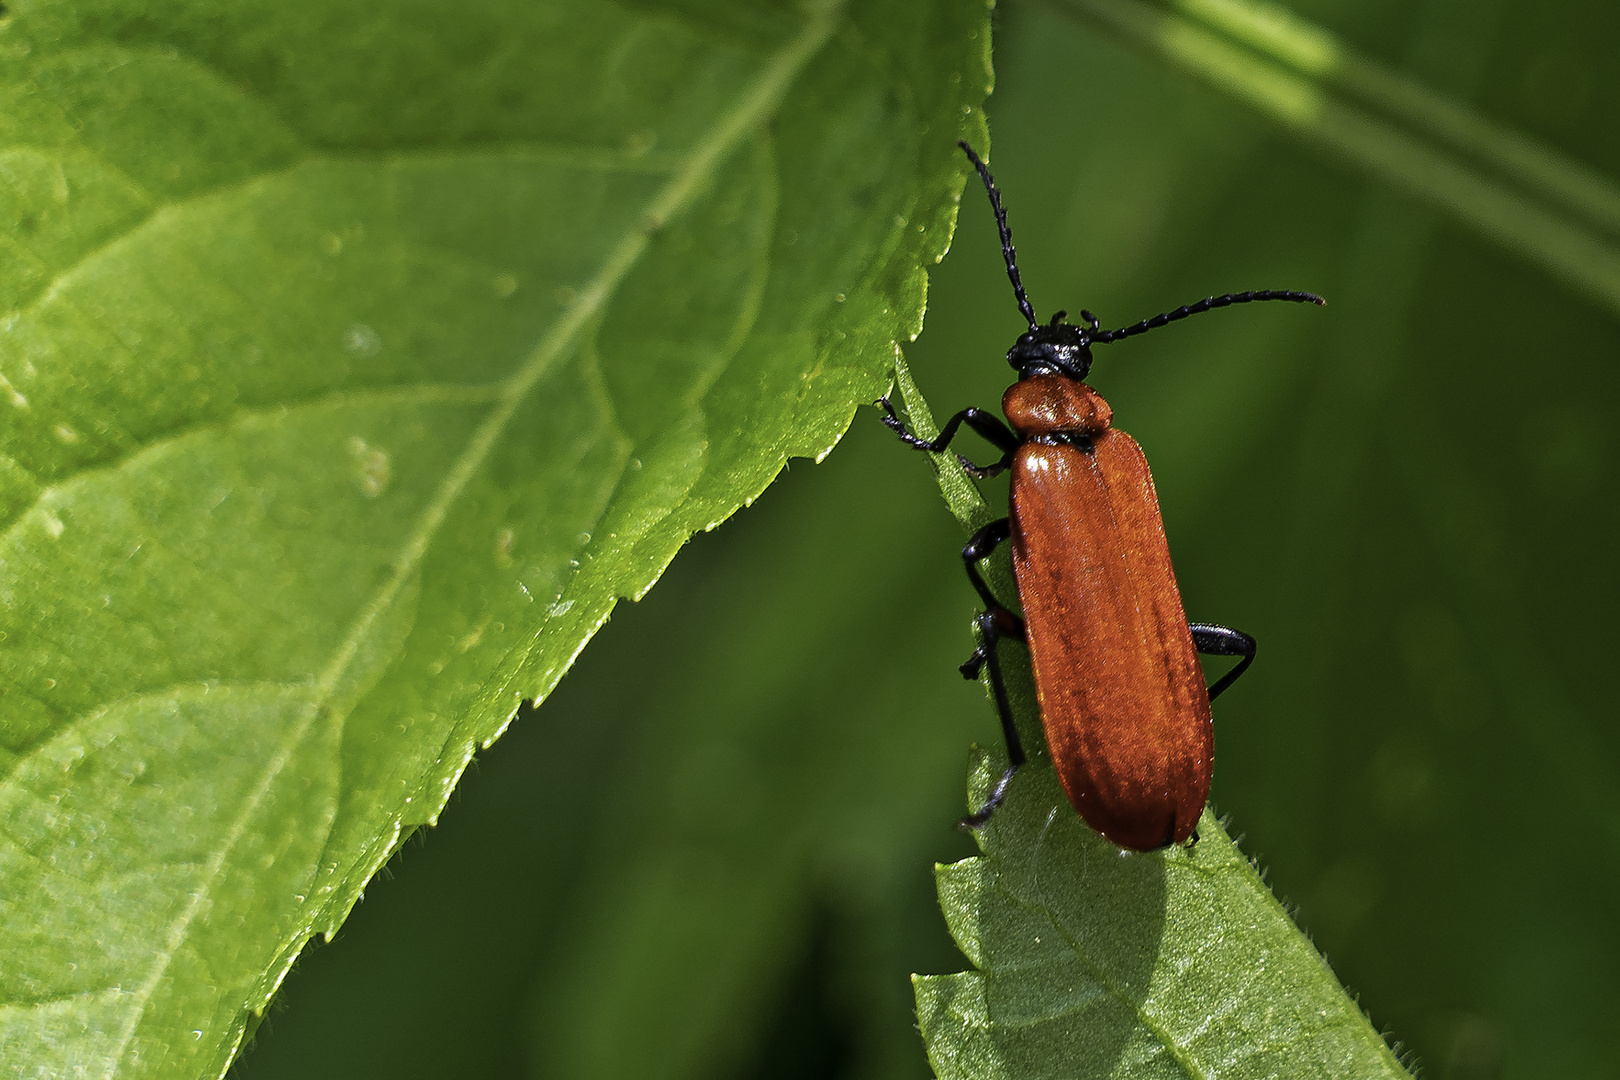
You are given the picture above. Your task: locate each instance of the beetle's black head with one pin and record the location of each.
(1058, 348)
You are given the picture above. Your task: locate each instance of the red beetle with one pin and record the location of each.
(1122, 694)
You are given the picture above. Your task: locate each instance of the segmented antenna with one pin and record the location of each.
(1105, 336)
(1006, 233)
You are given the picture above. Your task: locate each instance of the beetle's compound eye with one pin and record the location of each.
(1054, 349)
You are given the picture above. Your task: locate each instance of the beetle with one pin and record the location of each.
(1121, 693)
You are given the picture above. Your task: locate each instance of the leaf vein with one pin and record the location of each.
(402, 393)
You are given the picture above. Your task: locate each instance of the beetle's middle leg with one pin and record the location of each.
(1215, 640)
(995, 623)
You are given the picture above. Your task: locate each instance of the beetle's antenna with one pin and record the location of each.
(1209, 304)
(1006, 233)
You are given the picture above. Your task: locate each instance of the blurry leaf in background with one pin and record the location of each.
(1521, 194)
(358, 360)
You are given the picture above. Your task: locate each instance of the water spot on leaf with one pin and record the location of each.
(504, 285)
(362, 340)
(373, 467)
(65, 433)
(69, 758)
(53, 526)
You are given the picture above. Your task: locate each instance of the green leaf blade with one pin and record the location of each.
(1098, 962)
(341, 415)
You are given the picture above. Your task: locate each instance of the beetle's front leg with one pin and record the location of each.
(990, 426)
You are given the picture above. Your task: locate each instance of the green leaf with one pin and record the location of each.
(1097, 962)
(357, 362)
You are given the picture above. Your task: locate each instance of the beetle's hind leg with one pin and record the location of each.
(990, 426)
(995, 622)
(1215, 640)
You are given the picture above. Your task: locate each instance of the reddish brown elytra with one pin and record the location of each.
(1122, 695)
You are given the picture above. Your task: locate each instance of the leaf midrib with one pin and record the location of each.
(1178, 1053)
(757, 100)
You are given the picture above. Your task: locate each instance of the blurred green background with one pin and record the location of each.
(709, 854)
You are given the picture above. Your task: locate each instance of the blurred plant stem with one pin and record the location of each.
(1523, 195)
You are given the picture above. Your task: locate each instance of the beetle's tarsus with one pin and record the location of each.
(980, 817)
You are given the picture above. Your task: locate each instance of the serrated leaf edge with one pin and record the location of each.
(762, 96)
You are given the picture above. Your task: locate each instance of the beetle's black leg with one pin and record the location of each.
(985, 472)
(1215, 640)
(1007, 625)
(993, 626)
(995, 623)
(979, 546)
(990, 426)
